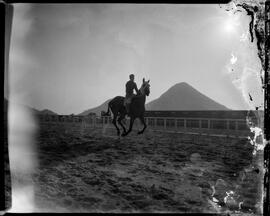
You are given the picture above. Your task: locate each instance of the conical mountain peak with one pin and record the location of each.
(183, 96)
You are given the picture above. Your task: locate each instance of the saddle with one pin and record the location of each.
(128, 100)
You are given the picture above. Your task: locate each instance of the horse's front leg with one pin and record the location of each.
(144, 125)
(130, 126)
(114, 123)
(120, 122)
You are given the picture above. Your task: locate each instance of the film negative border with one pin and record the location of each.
(267, 112)
(125, 1)
(2, 65)
(6, 19)
(5, 203)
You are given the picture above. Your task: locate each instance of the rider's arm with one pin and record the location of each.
(136, 89)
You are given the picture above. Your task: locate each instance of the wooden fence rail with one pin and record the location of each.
(165, 123)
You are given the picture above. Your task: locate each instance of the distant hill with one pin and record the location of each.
(30, 109)
(98, 109)
(182, 96)
(47, 112)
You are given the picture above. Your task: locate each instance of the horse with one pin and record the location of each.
(137, 109)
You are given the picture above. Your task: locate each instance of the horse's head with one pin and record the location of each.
(145, 88)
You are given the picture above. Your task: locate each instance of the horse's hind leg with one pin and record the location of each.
(130, 126)
(115, 124)
(120, 122)
(144, 125)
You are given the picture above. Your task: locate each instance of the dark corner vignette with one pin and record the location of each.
(267, 111)
(6, 13)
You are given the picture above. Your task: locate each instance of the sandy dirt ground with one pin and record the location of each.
(92, 170)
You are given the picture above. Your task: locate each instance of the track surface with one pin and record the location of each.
(92, 170)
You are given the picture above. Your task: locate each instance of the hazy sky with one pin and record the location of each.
(72, 57)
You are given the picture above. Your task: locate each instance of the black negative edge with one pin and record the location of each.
(124, 1)
(6, 21)
(2, 65)
(267, 88)
(266, 204)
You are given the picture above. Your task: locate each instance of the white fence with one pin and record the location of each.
(160, 123)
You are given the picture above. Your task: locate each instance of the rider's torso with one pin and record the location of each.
(130, 86)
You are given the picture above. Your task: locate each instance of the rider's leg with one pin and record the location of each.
(129, 103)
(128, 107)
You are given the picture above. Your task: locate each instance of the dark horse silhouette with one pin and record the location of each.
(137, 109)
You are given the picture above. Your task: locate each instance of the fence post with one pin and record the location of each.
(185, 123)
(165, 121)
(93, 121)
(155, 122)
(208, 124)
(227, 124)
(85, 121)
(200, 123)
(82, 122)
(175, 124)
(236, 125)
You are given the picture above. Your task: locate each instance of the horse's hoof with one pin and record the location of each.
(139, 133)
(123, 134)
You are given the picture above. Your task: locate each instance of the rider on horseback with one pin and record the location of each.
(130, 86)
